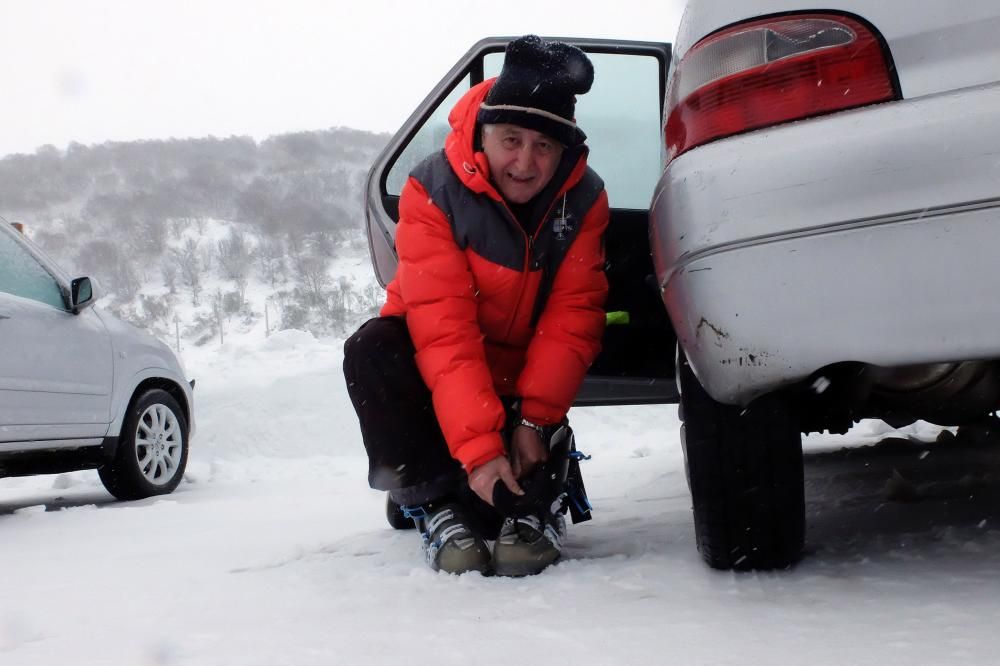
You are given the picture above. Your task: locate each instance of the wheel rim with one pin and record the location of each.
(159, 444)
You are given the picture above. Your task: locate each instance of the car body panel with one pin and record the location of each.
(870, 301)
(786, 249)
(128, 389)
(50, 442)
(61, 373)
(936, 46)
(140, 357)
(881, 160)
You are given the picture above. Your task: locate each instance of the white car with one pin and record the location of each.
(811, 190)
(80, 389)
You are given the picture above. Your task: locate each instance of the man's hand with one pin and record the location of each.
(483, 478)
(526, 451)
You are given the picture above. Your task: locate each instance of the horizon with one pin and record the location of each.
(64, 149)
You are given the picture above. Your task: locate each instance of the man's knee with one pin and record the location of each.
(375, 337)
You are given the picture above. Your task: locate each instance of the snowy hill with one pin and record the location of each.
(199, 238)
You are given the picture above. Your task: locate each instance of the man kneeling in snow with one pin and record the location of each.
(495, 314)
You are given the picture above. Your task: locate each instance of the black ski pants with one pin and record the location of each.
(407, 453)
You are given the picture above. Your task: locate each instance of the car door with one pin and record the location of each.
(622, 118)
(55, 366)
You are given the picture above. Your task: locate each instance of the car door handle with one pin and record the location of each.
(4, 315)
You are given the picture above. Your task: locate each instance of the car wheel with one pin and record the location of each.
(744, 469)
(152, 450)
(394, 514)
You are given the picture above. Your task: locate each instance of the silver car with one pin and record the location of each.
(824, 234)
(823, 209)
(80, 389)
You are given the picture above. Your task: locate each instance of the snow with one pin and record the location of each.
(274, 551)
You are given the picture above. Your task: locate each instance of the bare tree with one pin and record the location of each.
(218, 311)
(112, 267)
(342, 296)
(169, 273)
(311, 271)
(145, 232)
(241, 287)
(270, 259)
(189, 263)
(207, 259)
(235, 254)
(125, 278)
(235, 258)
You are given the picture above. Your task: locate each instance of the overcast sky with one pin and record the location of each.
(98, 70)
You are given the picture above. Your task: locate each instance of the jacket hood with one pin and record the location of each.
(472, 167)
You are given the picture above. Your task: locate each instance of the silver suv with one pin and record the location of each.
(80, 389)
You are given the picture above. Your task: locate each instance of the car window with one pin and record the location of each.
(22, 275)
(621, 117)
(430, 138)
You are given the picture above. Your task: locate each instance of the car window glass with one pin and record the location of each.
(428, 139)
(621, 117)
(22, 275)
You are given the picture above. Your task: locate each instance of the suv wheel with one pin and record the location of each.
(744, 469)
(152, 450)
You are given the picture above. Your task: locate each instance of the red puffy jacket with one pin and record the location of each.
(491, 311)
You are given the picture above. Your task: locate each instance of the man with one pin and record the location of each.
(494, 316)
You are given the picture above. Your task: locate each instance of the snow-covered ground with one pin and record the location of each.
(274, 551)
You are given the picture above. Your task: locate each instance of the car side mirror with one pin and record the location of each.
(82, 294)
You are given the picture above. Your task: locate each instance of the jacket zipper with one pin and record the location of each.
(529, 247)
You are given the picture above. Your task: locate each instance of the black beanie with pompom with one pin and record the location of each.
(537, 88)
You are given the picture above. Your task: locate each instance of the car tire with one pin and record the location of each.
(744, 469)
(152, 449)
(394, 514)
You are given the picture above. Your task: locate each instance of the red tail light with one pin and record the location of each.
(772, 71)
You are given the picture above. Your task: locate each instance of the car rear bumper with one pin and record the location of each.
(871, 235)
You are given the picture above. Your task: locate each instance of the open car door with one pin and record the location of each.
(621, 116)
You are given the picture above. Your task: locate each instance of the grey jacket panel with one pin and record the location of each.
(488, 228)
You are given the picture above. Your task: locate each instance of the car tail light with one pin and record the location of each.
(772, 71)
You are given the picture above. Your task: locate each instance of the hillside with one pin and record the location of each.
(191, 238)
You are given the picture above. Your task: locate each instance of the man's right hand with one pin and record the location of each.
(483, 478)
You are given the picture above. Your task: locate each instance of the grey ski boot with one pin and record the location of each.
(529, 544)
(450, 545)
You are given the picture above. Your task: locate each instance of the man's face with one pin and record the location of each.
(522, 161)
